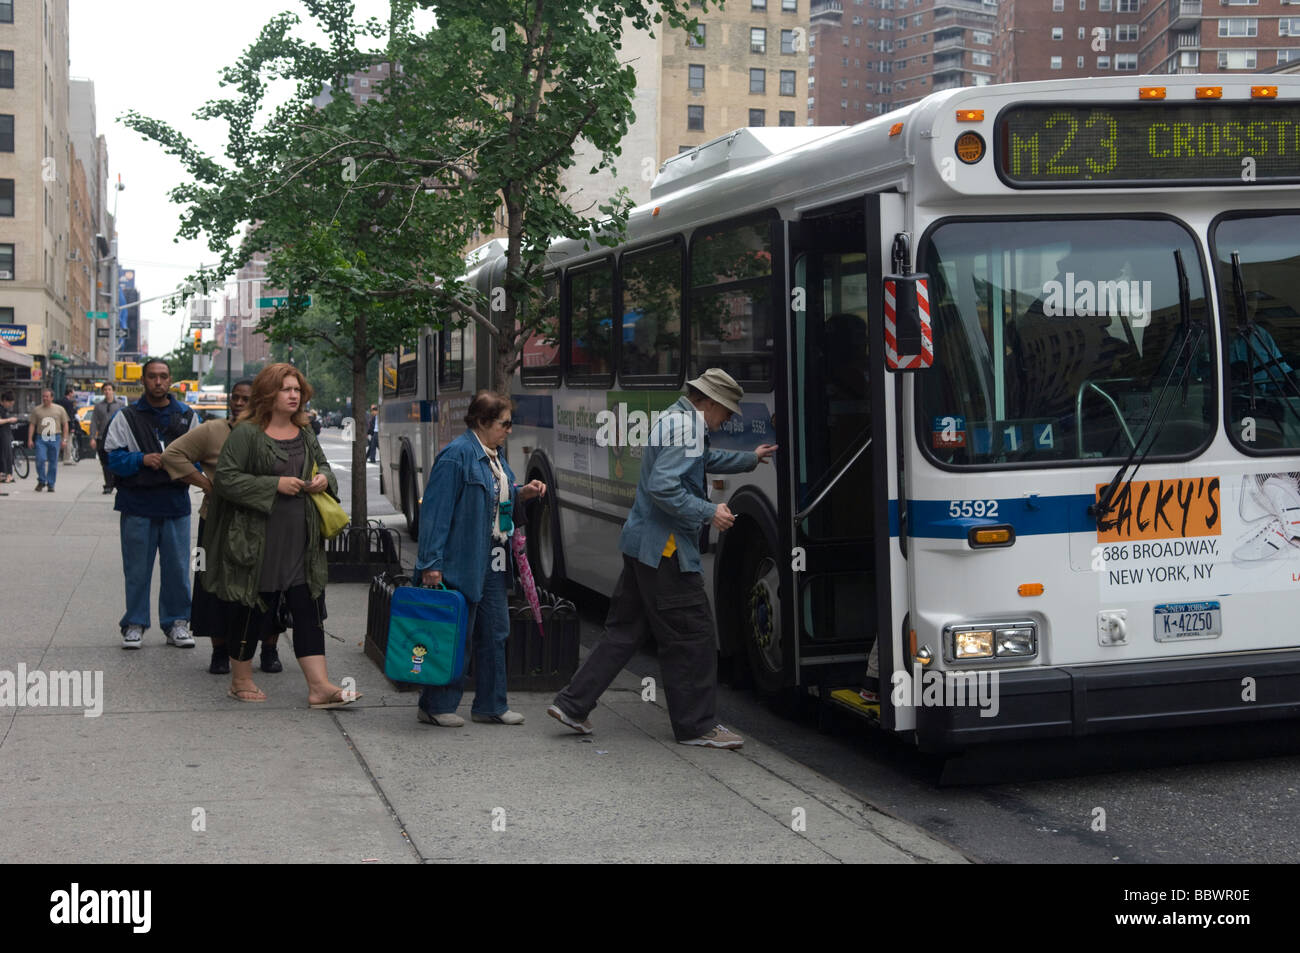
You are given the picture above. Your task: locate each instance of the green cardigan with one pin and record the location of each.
(234, 536)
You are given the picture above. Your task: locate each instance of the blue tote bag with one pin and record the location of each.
(427, 631)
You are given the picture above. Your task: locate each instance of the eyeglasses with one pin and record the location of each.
(506, 424)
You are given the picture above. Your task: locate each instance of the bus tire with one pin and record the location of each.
(545, 553)
(771, 657)
(410, 497)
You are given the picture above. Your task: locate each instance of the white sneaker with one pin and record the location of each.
(1284, 503)
(180, 635)
(133, 637)
(1269, 542)
(1252, 506)
(719, 737)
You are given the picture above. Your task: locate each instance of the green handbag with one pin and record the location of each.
(333, 519)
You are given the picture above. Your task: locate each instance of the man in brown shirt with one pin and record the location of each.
(47, 429)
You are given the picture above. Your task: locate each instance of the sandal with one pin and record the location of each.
(238, 694)
(337, 700)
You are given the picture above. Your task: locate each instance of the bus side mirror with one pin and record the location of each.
(909, 345)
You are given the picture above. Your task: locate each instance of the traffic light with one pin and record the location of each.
(198, 340)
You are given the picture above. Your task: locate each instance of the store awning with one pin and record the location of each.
(11, 355)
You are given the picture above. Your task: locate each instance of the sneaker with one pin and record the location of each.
(442, 721)
(133, 637)
(1284, 503)
(719, 737)
(1268, 542)
(220, 664)
(581, 727)
(505, 718)
(108, 489)
(271, 660)
(179, 635)
(1252, 505)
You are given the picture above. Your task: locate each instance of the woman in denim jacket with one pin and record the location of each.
(465, 528)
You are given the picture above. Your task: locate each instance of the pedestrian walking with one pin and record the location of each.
(69, 404)
(100, 417)
(466, 521)
(372, 435)
(7, 420)
(202, 447)
(661, 590)
(262, 538)
(47, 429)
(154, 508)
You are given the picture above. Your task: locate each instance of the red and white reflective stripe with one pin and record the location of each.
(910, 361)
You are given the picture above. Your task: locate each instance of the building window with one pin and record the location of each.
(1104, 5)
(785, 118)
(696, 41)
(694, 117)
(1239, 26)
(6, 262)
(6, 133)
(6, 69)
(981, 59)
(1058, 33)
(844, 104)
(1126, 62)
(1079, 62)
(857, 21)
(789, 6)
(1243, 3)
(758, 4)
(757, 40)
(6, 11)
(1103, 62)
(1126, 6)
(681, 149)
(1285, 56)
(695, 76)
(1056, 62)
(1286, 26)
(918, 19)
(1236, 59)
(1058, 6)
(1083, 33)
(1126, 33)
(787, 42)
(1083, 4)
(7, 197)
(758, 117)
(844, 83)
(982, 38)
(758, 81)
(787, 82)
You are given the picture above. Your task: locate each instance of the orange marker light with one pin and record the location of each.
(655, 212)
(1151, 92)
(1030, 589)
(992, 537)
(895, 129)
(1263, 92)
(1209, 92)
(970, 115)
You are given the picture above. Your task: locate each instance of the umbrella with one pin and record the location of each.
(519, 543)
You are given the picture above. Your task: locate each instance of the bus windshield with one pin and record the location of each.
(1263, 344)
(1053, 339)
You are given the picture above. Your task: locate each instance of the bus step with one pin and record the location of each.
(850, 700)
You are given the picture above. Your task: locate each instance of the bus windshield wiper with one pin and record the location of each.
(1181, 365)
(1255, 338)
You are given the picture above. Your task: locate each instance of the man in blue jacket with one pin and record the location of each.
(661, 590)
(155, 508)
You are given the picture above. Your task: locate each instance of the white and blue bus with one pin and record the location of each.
(1076, 512)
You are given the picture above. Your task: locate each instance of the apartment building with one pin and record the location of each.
(35, 240)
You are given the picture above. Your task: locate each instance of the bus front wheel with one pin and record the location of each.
(544, 539)
(766, 644)
(410, 500)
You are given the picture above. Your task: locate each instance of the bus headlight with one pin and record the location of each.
(997, 640)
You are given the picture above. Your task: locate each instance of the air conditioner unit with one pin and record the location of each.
(6, 276)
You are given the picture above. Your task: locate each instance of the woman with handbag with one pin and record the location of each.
(264, 535)
(465, 528)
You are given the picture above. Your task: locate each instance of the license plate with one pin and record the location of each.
(1180, 621)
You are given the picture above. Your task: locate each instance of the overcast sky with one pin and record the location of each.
(162, 58)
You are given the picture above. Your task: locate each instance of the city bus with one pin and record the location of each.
(1029, 355)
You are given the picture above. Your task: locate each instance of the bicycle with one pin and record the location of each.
(22, 462)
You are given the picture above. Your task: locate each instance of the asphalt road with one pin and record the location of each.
(1222, 796)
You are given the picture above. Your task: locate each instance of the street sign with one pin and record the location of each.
(196, 323)
(101, 332)
(97, 315)
(281, 301)
(236, 359)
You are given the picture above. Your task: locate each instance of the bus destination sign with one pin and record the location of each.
(1151, 144)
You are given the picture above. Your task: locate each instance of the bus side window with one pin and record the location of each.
(451, 360)
(652, 315)
(539, 361)
(731, 308)
(591, 323)
(408, 372)
(388, 376)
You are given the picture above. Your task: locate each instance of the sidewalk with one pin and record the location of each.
(175, 771)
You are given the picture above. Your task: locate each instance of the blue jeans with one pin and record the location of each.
(47, 459)
(489, 628)
(169, 538)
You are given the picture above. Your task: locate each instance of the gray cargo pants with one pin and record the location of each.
(673, 606)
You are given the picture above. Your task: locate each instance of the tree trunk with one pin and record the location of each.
(360, 510)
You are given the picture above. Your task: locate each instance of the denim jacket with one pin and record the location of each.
(672, 496)
(454, 516)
